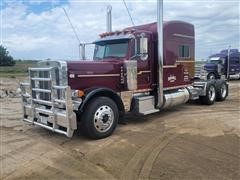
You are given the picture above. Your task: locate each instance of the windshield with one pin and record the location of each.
(109, 49)
(215, 60)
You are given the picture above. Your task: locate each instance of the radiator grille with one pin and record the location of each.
(52, 74)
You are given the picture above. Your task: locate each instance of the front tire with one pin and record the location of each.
(211, 76)
(210, 97)
(100, 118)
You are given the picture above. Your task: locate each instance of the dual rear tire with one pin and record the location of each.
(215, 91)
(222, 90)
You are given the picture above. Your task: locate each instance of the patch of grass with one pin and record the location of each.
(19, 69)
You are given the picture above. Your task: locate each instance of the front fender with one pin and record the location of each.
(95, 92)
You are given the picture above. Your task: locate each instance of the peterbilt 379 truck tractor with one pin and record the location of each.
(141, 69)
(225, 64)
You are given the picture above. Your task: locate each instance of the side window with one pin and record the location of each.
(184, 51)
(133, 48)
(99, 51)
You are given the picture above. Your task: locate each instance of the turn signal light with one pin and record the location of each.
(80, 93)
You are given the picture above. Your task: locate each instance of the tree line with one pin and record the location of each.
(5, 58)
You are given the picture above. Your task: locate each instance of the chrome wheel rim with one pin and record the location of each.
(103, 118)
(211, 93)
(223, 90)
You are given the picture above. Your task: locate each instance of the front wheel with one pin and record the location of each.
(211, 76)
(100, 118)
(210, 97)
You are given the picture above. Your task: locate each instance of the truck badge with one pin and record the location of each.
(172, 78)
(71, 75)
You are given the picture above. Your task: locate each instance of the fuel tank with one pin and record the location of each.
(176, 97)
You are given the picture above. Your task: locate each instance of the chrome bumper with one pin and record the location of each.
(55, 114)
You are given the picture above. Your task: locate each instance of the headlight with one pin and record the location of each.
(202, 69)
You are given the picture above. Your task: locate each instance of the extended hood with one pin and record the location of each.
(85, 74)
(210, 66)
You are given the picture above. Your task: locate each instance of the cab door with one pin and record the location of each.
(141, 53)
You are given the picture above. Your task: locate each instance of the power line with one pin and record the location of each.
(214, 47)
(214, 43)
(128, 12)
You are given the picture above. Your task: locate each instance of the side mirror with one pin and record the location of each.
(82, 51)
(144, 48)
(141, 48)
(143, 45)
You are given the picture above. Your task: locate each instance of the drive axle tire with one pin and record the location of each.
(221, 90)
(99, 118)
(210, 97)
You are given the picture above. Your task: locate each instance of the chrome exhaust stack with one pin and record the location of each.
(109, 18)
(160, 52)
(172, 98)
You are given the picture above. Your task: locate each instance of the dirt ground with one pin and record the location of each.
(186, 142)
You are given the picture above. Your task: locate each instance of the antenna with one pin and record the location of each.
(74, 31)
(128, 13)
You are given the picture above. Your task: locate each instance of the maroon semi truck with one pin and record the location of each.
(141, 69)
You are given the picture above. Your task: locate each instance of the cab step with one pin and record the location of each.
(145, 105)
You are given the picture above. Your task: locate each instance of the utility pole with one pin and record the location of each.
(228, 62)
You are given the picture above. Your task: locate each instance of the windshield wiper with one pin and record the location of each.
(112, 57)
(97, 58)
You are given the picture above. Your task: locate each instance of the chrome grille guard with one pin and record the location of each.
(55, 113)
